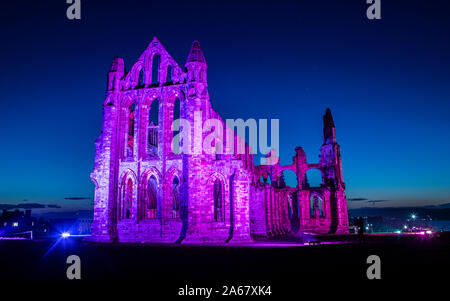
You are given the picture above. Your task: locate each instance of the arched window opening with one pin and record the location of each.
(289, 178)
(316, 206)
(151, 206)
(121, 202)
(175, 198)
(130, 138)
(313, 178)
(290, 203)
(141, 78)
(218, 201)
(176, 139)
(153, 129)
(127, 204)
(169, 74)
(155, 69)
(269, 180)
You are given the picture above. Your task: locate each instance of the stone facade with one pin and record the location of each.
(145, 191)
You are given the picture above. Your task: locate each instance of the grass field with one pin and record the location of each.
(280, 262)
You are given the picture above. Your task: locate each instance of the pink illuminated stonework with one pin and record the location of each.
(147, 192)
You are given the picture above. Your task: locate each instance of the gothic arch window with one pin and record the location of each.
(151, 196)
(218, 201)
(130, 135)
(113, 78)
(169, 74)
(129, 200)
(120, 202)
(125, 210)
(175, 197)
(155, 68)
(153, 128)
(269, 180)
(316, 206)
(176, 116)
(141, 78)
(289, 199)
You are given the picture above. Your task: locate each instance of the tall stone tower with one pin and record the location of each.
(331, 166)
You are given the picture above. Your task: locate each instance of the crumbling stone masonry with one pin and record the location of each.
(146, 192)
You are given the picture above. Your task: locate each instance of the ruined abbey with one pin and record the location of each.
(147, 192)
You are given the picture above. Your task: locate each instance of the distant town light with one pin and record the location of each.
(405, 227)
(65, 234)
(413, 216)
(15, 224)
(429, 232)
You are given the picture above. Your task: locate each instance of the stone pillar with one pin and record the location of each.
(194, 172)
(241, 205)
(342, 213)
(303, 199)
(103, 227)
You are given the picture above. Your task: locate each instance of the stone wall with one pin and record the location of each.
(243, 205)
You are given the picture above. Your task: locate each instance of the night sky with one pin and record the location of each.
(386, 82)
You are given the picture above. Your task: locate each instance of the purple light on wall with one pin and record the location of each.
(134, 152)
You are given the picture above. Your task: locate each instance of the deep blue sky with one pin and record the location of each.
(387, 83)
